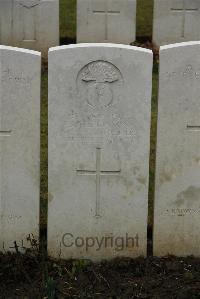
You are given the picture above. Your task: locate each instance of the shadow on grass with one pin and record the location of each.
(67, 41)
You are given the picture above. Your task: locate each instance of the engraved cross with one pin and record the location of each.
(106, 12)
(193, 128)
(184, 10)
(5, 133)
(98, 173)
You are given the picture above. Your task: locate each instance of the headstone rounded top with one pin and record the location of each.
(27, 51)
(100, 45)
(178, 45)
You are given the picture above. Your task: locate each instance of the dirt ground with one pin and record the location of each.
(33, 276)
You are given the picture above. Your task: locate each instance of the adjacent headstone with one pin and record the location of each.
(6, 12)
(177, 194)
(106, 21)
(99, 126)
(19, 147)
(32, 24)
(176, 21)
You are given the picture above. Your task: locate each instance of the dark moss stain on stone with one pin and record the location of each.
(191, 194)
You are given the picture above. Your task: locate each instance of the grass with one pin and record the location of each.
(44, 149)
(153, 141)
(67, 20)
(144, 18)
(68, 35)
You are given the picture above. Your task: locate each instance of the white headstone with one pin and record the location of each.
(32, 24)
(19, 146)
(177, 196)
(106, 21)
(99, 126)
(6, 10)
(176, 21)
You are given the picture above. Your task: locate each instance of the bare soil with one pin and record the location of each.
(34, 276)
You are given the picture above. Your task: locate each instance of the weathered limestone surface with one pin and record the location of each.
(99, 131)
(106, 21)
(19, 146)
(177, 194)
(32, 24)
(176, 21)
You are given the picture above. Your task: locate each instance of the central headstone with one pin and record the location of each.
(99, 126)
(106, 21)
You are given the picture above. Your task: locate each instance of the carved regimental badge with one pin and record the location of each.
(97, 81)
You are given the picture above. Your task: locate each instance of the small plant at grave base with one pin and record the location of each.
(77, 267)
(50, 288)
(33, 242)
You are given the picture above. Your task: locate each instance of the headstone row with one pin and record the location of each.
(99, 131)
(34, 24)
(115, 21)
